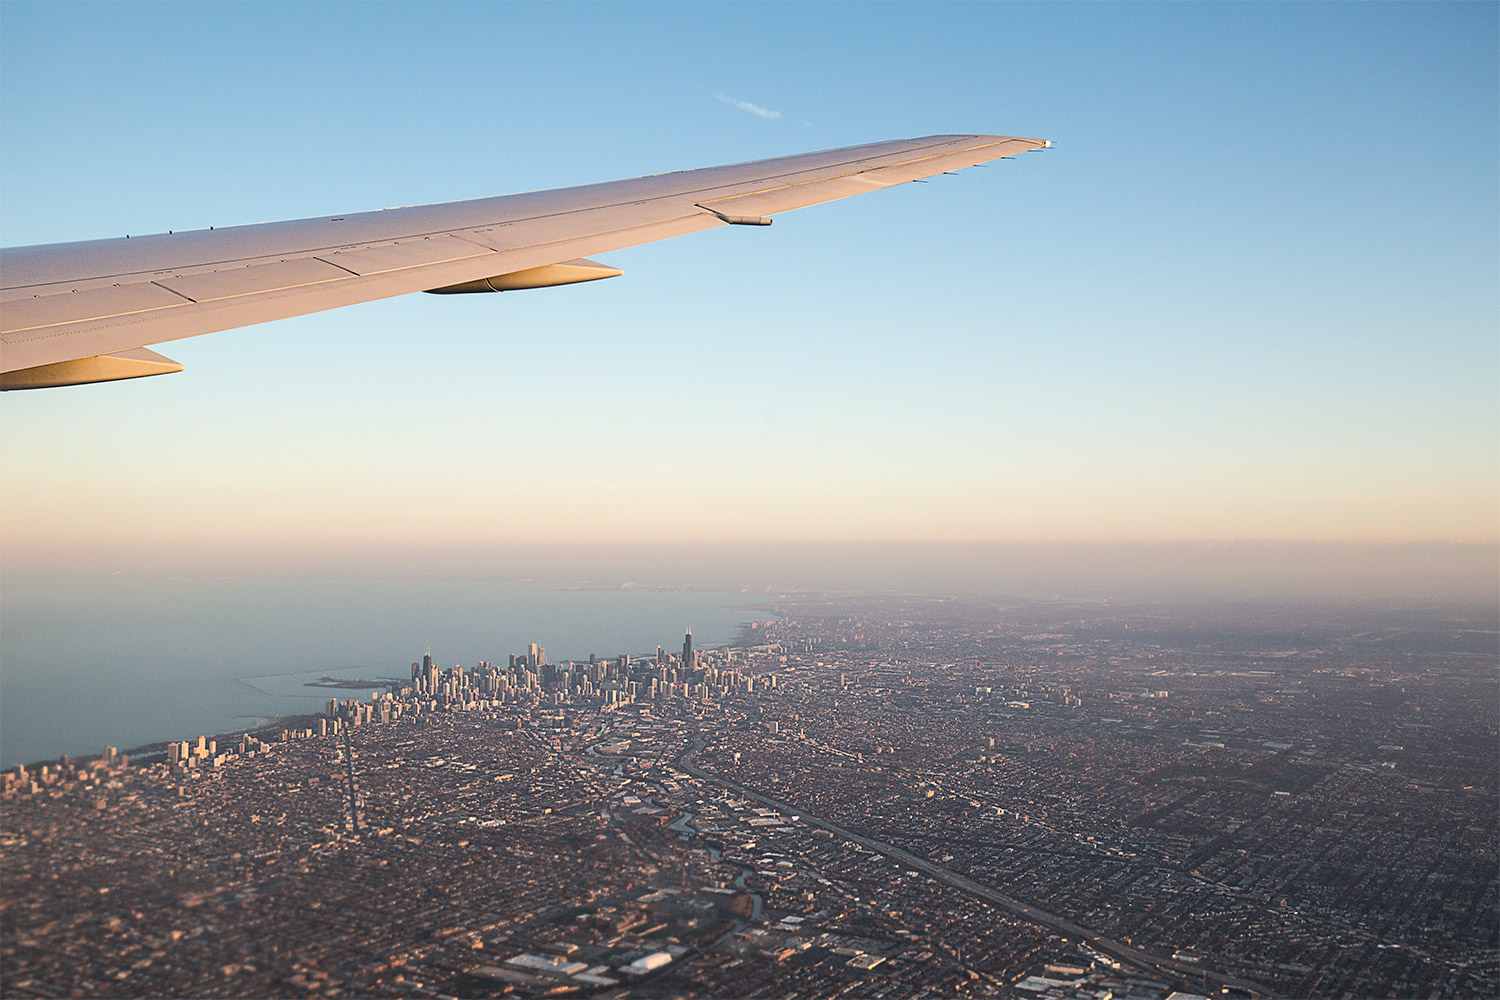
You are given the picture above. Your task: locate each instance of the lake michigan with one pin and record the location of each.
(128, 661)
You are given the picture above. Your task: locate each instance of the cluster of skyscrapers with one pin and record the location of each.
(530, 679)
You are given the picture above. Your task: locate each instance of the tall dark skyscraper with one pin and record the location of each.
(689, 658)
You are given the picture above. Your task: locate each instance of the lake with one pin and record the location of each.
(127, 661)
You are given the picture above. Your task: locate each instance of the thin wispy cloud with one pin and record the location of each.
(754, 109)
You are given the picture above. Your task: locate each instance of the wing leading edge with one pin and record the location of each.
(85, 312)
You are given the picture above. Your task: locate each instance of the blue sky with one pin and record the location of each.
(1251, 294)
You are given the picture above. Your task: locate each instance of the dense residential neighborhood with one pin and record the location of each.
(875, 796)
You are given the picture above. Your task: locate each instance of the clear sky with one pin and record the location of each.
(1252, 294)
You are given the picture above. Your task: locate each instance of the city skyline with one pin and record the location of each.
(1250, 296)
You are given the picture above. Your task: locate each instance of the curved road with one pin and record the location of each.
(947, 876)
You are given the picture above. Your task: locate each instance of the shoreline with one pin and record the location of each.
(154, 752)
(263, 685)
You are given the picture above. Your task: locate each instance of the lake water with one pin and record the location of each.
(125, 662)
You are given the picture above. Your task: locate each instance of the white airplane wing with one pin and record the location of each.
(85, 312)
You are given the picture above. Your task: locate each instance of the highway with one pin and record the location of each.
(1175, 968)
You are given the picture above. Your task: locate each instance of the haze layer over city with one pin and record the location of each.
(1092, 558)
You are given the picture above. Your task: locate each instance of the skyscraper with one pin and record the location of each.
(689, 658)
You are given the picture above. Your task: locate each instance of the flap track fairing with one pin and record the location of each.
(567, 273)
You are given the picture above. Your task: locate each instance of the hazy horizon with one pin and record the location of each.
(1439, 572)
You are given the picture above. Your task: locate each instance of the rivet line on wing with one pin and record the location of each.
(95, 319)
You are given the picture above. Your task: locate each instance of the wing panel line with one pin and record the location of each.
(590, 242)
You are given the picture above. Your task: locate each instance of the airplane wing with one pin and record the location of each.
(85, 312)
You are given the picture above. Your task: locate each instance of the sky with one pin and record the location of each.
(1251, 296)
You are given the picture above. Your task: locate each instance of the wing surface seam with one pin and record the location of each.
(158, 284)
(353, 275)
